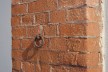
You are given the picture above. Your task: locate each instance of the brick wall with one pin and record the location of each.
(71, 31)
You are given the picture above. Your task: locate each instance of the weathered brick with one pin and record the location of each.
(58, 44)
(27, 19)
(17, 54)
(16, 66)
(42, 18)
(19, 32)
(77, 69)
(71, 32)
(42, 5)
(58, 16)
(51, 4)
(59, 69)
(31, 55)
(77, 15)
(50, 30)
(16, 44)
(83, 14)
(15, 21)
(91, 45)
(38, 67)
(37, 6)
(45, 68)
(27, 67)
(18, 9)
(88, 59)
(65, 29)
(28, 0)
(93, 29)
(48, 57)
(93, 2)
(77, 3)
(66, 58)
(32, 31)
(26, 43)
(80, 29)
(96, 69)
(71, 3)
(72, 29)
(93, 14)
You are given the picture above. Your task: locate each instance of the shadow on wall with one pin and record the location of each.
(28, 54)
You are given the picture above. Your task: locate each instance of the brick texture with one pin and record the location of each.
(71, 31)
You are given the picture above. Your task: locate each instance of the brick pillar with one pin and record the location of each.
(71, 32)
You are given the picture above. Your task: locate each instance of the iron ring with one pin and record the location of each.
(38, 41)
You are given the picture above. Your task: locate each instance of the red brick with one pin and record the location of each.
(78, 14)
(88, 59)
(27, 19)
(71, 3)
(68, 58)
(58, 44)
(26, 43)
(50, 30)
(28, 67)
(48, 57)
(37, 6)
(58, 16)
(36, 57)
(59, 69)
(31, 54)
(16, 1)
(38, 67)
(16, 65)
(42, 18)
(72, 29)
(80, 29)
(28, 0)
(93, 14)
(15, 21)
(96, 69)
(44, 56)
(71, 46)
(42, 5)
(19, 32)
(93, 2)
(93, 29)
(91, 45)
(16, 44)
(81, 14)
(65, 29)
(77, 3)
(75, 44)
(32, 31)
(17, 54)
(78, 69)
(51, 4)
(18, 9)
(45, 68)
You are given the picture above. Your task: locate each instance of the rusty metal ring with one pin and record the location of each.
(38, 41)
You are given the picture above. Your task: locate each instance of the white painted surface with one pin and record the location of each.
(106, 36)
(5, 36)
